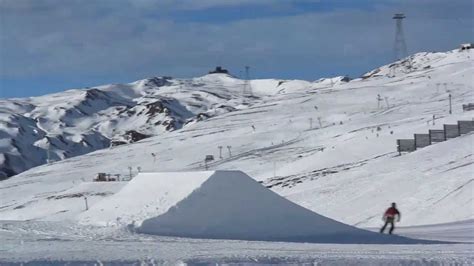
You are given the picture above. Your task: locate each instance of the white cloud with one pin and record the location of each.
(137, 39)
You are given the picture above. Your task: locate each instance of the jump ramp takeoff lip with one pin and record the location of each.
(222, 205)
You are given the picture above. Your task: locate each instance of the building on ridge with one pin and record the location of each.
(219, 70)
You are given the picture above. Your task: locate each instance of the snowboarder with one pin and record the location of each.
(389, 218)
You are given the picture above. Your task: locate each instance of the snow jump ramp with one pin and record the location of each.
(221, 205)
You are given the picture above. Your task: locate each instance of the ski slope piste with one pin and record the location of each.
(220, 205)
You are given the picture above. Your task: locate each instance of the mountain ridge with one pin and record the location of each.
(329, 147)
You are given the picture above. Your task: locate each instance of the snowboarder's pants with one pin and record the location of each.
(391, 221)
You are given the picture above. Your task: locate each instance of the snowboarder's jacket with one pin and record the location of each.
(391, 212)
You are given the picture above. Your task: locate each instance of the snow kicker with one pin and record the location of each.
(221, 205)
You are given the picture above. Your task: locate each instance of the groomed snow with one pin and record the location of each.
(65, 243)
(64, 204)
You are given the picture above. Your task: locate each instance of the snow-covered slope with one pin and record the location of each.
(75, 122)
(328, 146)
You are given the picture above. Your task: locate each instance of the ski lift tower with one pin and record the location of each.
(400, 47)
(247, 86)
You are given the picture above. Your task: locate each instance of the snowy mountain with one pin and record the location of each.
(328, 145)
(63, 125)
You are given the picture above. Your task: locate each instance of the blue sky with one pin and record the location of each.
(53, 45)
